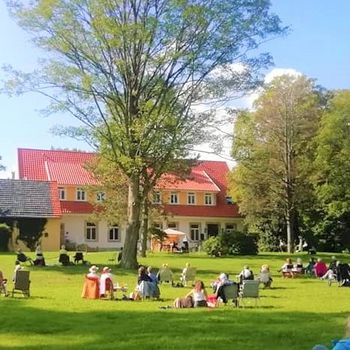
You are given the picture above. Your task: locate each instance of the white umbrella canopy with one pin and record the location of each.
(170, 231)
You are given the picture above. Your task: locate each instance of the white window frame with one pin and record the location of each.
(61, 193)
(208, 199)
(115, 230)
(191, 198)
(100, 196)
(90, 231)
(156, 197)
(195, 232)
(81, 194)
(174, 198)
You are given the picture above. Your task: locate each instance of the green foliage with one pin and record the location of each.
(30, 231)
(5, 234)
(268, 242)
(274, 147)
(231, 243)
(157, 234)
(212, 246)
(130, 72)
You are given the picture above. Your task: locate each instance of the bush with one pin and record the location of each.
(5, 232)
(231, 243)
(212, 246)
(268, 242)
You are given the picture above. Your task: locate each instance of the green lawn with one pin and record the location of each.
(295, 314)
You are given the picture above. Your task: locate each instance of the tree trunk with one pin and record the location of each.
(144, 236)
(129, 257)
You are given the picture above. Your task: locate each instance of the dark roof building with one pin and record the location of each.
(29, 199)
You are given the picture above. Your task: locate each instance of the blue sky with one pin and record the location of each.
(318, 46)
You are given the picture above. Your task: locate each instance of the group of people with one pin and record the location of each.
(39, 257)
(99, 285)
(335, 271)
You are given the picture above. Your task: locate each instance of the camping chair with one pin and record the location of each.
(21, 283)
(249, 289)
(190, 275)
(79, 256)
(165, 275)
(231, 293)
(64, 259)
(91, 288)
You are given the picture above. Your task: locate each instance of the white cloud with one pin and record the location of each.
(276, 72)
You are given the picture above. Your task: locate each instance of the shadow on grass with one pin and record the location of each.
(29, 328)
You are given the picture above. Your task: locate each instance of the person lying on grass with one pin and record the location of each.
(197, 297)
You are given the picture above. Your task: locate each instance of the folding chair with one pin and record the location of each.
(189, 275)
(21, 283)
(165, 275)
(249, 289)
(231, 293)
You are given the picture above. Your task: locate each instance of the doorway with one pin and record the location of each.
(213, 230)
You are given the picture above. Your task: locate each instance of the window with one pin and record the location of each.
(191, 198)
(231, 228)
(156, 197)
(194, 231)
(91, 231)
(208, 199)
(61, 193)
(81, 195)
(174, 198)
(172, 225)
(113, 234)
(100, 196)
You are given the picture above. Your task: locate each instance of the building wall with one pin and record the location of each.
(74, 227)
(50, 241)
(182, 195)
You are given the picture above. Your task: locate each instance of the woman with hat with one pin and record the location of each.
(106, 283)
(91, 288)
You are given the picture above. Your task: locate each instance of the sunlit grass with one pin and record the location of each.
(294, 314)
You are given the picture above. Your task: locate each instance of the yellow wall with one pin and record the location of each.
(50, 240)
(165, 196)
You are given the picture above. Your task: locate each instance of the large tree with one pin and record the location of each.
(332, 176)
(273, 150)
(130, 71)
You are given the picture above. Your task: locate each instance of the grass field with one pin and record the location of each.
(295, 314)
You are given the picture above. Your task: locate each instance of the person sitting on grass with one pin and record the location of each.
(39, 256)
(245, 274)
(320, 268)
(219, 285)
(265, 276)
(106, 283)
(287, 268)
(309, 268)
(197, 297)
(63, 257)
(21, 257)
(298, 267)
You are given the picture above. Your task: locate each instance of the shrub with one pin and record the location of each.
(213, 246)
(5, 232)
(268, 242)
(231, 243)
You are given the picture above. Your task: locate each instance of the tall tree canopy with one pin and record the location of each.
(130, 71)
(332, 176)
(273, 150)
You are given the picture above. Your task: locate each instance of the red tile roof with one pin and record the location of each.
(198, 180)
(68, 167)
(35, 164)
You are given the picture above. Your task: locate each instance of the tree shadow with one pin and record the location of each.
(33, 328)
